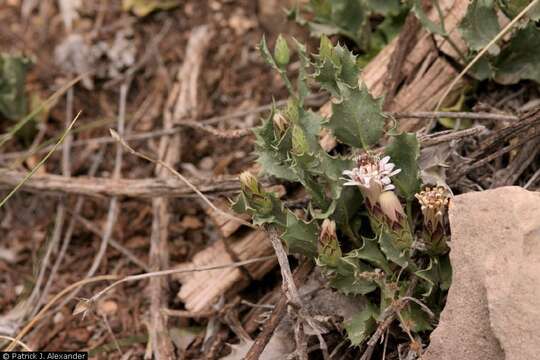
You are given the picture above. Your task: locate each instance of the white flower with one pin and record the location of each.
(372, 175)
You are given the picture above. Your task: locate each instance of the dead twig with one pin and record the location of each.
(453, 115)
(387, 318)
(115, 135)
(278, 313)
(117, 281)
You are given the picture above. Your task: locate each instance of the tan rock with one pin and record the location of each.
(493, 307)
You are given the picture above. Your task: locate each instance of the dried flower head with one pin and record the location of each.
(434, 203)
(372, 175)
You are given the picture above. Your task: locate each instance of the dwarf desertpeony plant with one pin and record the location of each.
(367, 225)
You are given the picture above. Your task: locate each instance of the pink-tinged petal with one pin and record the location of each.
(351, 183)
(395, 172)
(384, 160)
(386, 180)
(389, 167)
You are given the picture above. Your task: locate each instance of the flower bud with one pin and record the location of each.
(281, 52)
(281, 123)
(391, 207)
(328, 241)
(249, 183)
(434, 205)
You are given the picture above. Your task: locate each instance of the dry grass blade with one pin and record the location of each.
(117, 137)
(484, 50)
(36, 168)
(20, 343)
(85, 304)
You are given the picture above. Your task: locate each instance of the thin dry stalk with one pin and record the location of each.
(483, 51)
(115, 135)
(60, 213)
(119, 280)
(40, 164)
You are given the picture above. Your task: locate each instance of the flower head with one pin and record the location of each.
(433, 202)
(372, 175)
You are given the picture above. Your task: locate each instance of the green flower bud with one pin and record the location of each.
(328, 245)
(249, 183)
(281, 52)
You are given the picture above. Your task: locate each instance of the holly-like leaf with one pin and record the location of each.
(480, 24)
(404, 151)
(392, 253)
(445, 272)
(347, 205)
(372, 253)
(13, 99)
(430, 275)
(335, 65)
(519, 60)
(425, 21)
(357, 119)
(303, 89)
(301, 236)
(512, 8)
(415, 319)
(362, 325)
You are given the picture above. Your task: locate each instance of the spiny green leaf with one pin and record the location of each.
(335, 65)
(425, 21)
(303, 89)
(349, 70)
(513, 7)
(357, 120)
(482, 70)
(301, 236)
(415, 318)
(480, 25)
(519, 60)
(392, 253)
(445, 272)
(360, 327)
(431, 275)
(272, 148)
(347, 205)
(13, 100)
(310, 123)
(404, 152)
(372, 253)
(266, 54)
